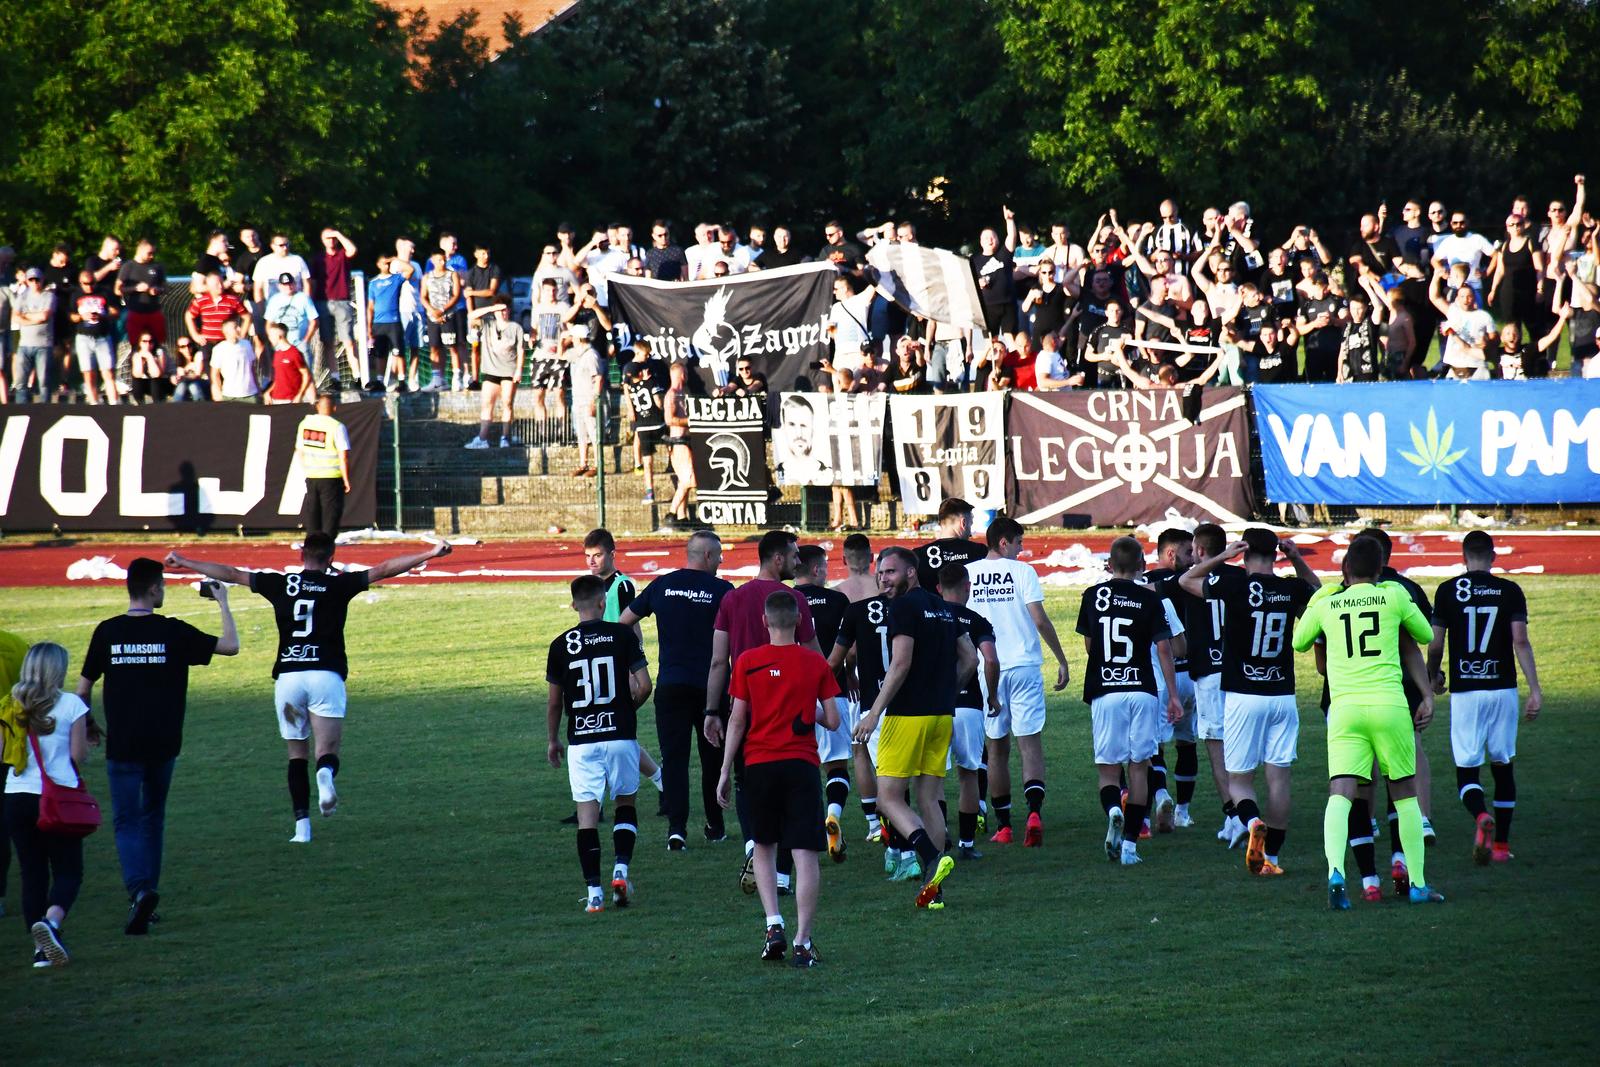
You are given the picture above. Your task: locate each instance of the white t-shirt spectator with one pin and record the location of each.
(1469, 330)
(28, 302)
(849, 318)
(1002, 589)
(700, 258)
(56, 747)
(601, 264)
(235, 362)
(1469, 248)
(565, 280)
(269, 266)
(738, 260)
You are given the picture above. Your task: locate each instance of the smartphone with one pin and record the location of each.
(208, 589)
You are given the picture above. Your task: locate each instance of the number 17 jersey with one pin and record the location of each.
(310, 609)
(591, 663)
(1476, 611)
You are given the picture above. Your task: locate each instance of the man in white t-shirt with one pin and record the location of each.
(277, 262)
(1464, 246)
(233, 364)
(1468, 330)
(1008, 594)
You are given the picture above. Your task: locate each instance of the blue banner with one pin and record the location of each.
(1497, 442)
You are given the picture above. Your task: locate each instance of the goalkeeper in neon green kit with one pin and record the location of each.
(1370, 629)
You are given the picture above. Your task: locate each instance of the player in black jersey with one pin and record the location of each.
(967, 740)
(863, 639)
(1485, 620)
(598, 677)
(1261, 721)
(1121, 620)
(1203, 634)
(833, 746)
(308, 688)
(953, 545)
(1175, 554)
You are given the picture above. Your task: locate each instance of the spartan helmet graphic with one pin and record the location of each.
(729, 457)
(716, 338)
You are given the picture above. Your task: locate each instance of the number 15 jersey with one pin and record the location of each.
(1122, 620)
(591, 663)
(310, 609)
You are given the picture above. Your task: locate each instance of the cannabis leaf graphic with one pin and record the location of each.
(1433, 455)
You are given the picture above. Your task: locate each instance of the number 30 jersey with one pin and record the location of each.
(1122, 620)
(591, 663)
(1476, 611)
(310, 608)
(1257, 622)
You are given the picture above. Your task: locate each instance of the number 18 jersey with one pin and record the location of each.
(1257, 620)
(310, 608)
(591, 663)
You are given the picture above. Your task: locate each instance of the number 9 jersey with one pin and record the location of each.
(310, 608)
(591, 663)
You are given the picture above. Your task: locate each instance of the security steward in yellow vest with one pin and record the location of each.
(323, 445)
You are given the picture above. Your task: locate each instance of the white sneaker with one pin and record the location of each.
(479, 443)
(1114, 834)
(1130, 855)
(1164, 812)
(302, 832)
(1181, 817)
(1427, 830)
(1238, 832)
(1227, 826)
(327, 795)
(505, 442)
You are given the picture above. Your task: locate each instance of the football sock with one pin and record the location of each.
(1335, 830)
(983, 784)
(1033, 792)
(1275, 838)
(655, 780)
(1408, 813)
(329, 761)
(1133, 818)
(1471, 790)
(967, 823)
(1002, 808)
(775, 920)
(1187, 770)
(299, 789)
(897, 841)
(1228, 811)
(1158, 772)
(1393, 821)
(1247, 810)
(1505, 800)
(483, 429)
(869, 808)
(922, 845)
(783, 880)
(837, 792)
(785, 865)
(1360, 830)
(624, 830)
(1110, 797)
(589, 855)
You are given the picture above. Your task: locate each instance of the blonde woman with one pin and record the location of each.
(51, 864)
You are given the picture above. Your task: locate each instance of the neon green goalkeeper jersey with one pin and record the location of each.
(1361, 627)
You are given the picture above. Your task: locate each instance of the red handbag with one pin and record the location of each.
(67, 810)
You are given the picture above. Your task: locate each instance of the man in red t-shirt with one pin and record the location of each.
(781, 691)
(208, 311)
(291, 378)
(739, 627)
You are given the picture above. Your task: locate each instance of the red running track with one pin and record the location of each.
(555, 559)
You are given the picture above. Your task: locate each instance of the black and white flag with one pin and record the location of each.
(777, 318)
(728, 440)
(949, 446)
(930, 283)
(826, 439)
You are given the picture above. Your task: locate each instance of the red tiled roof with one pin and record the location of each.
(491, 13)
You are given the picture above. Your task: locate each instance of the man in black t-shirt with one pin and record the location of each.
(1485, 619)
(863, 642)
(980, 696)
(598, 677)
(1126, 634)
(1320, 321)
(145, 660)
(684, 603)
(1261, 721)
(828, 607)
(953, 545)
(930, 660)
(993, 270)
(309, 671)
(645, 381)
(1175, 554)
(483, 285)
(1360, 354)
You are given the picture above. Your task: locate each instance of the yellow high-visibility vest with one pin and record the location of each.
(319, 440)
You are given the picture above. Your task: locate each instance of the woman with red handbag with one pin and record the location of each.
(49, 856)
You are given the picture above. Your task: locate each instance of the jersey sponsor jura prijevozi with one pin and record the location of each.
(935, 554)
(310, 609)
(1002, 589)
(866, 629)
(1476, 611)
(1122, 619)
(591, 663)
(1257, 622)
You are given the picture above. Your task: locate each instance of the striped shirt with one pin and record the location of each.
(1173, 237)
(211, 312)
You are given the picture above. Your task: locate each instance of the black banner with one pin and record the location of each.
(949, 446)
(728, 438)
(778, 318)
(170, 466)
(1112, 457)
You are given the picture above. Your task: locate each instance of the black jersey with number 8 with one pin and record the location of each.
(866, 629)
(310, 608)
(1476, 611)
(1121, 619)
(591, 663)
(1257, 627)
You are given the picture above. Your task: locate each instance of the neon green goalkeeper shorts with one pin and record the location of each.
(1360, 733)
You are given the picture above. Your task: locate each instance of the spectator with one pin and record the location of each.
(1045, 305)
(566, 256)
(1402, 360)
(334, 302)
(675, 406)
(1468, 329)
(209, 310)
(1320, 323)
(148, 371)
(323, 446)
(1023, 244)
(144, 701)
(664, 260)
(588, 387)
(33, 370)
(503, 350)
(704, 252)
(292, 307)
(781, 252)
(646, 379)
(747, 381)
(1516, 275)
(190, 377)
(1375, 252)
(441, 291)
(1304, 246)
(1172, 236)
(104, 265)
(1465, 246)
(1360, 356)
(140, 282)
(383, 323)
(1017, 360)
(292, 380)
(1052, 370)
(274, 265)
(843, 253)
(233, 363)
(50, 863)
(730, 251)
(993, 268)
(94, 315)
(481, 287)
(1067, 258)
(907, 376)
(214, 260)
(847, 322)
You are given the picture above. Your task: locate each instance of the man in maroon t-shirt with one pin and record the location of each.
(741, 626)
(780, 693)
(330, 292)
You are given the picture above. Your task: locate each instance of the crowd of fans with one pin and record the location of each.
(1138, 304)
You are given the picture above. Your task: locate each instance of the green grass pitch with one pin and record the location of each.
(437, 917)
